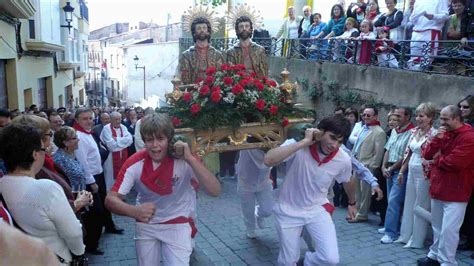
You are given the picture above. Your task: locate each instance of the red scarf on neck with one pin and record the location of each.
(77, 127)
(373, 123)
(314, 153)
(49, 163)
(118, 157)
(400, 131)
(371, 15)
(160, 180)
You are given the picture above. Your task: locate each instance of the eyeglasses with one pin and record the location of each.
(50, 134)
(73, 138)
(43, 149)
(367, 115)
(464, 106)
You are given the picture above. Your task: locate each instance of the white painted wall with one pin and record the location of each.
(160, 60)
(47, 21)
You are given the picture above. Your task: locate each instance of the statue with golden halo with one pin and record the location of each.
(200, 21)
(245, 51)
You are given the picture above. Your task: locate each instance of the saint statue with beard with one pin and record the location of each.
(194, 61)
(245, 51)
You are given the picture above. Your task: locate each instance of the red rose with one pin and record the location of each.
(176, 121)
(253, 74)
(198, 80)
(216, 88)
(273, 109)
(239, 67)
(270, 83)
(241, 73)
(195, 108)
(225, 67)
(244, 82)
(187, 97)
(204, 90)
(285, 122)
(209, 80)
(259, 85)
(216, 96)
(260, 104)
(237, 89)
(211, 70)
(228, 80)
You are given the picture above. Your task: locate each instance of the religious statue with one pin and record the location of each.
(245, 51)
(194, 61)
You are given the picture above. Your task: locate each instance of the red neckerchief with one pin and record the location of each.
(373, 123)
(49, 163)
(160, 180)
(408, 127)
(371, 15)
(118, 157)
(77, 127)
(314, 153)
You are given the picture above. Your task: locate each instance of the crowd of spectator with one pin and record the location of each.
(364, 35)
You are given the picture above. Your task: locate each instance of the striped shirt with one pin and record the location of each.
(397, 144)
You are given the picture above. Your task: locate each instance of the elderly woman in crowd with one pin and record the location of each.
(39, 207)
(67, 142)
(414, 228)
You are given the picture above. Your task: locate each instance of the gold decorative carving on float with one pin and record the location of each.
(268, 135)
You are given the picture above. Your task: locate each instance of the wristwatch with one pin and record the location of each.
(351, 203)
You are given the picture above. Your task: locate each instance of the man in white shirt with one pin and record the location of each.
(428, 20)
(165, 200)
(312, 165)
(88, 155)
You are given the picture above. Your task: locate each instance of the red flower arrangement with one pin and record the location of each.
(230, 96)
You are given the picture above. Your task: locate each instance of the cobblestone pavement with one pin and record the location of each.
(221, 239)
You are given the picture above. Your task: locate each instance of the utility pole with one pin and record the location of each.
(144, 77)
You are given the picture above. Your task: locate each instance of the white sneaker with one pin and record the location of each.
(261, 222)
(381, 230)
(386, 240)
(251, 234)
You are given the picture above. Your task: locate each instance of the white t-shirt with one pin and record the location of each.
(293, 29)
(179, 203)
(306, 185)
(253, 175)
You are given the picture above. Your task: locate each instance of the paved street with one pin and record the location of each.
(221, 239)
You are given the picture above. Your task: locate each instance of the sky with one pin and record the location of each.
(106, 12)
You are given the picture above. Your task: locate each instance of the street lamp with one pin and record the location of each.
(68, 9)
(144, 80)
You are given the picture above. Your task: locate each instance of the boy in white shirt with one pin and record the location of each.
(312, 165)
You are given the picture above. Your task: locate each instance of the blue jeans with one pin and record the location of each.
(396, 196)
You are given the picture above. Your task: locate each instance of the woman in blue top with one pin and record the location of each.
(66, 140)
(335, 27)
(317, 26)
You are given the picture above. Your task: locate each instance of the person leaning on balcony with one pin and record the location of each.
(454, 22)
(467, 23)
(289, 31)
(417, 199)
(451, 175)
(39, 207)
(392, 19)
(335, 25)
(372, 13)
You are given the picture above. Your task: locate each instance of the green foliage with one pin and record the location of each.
(213, 2)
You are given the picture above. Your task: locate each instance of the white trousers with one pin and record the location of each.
(170, 243)
(387, 59)
(250, 211)
(425, 44)
(322, 230)
(447, 218)
(414, 228)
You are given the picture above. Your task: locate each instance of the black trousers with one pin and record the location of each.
(93, 221)
(381, 206)
(107, 216)
(467, 227)
(227, 162)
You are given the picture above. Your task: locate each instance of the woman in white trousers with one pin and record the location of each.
(417, 199)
